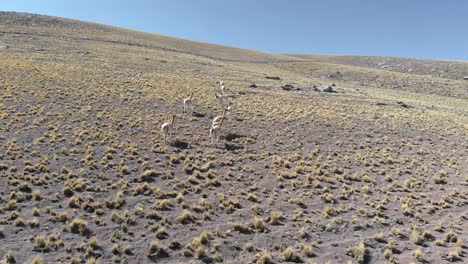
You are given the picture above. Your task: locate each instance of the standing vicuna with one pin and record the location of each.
(166, 129)
(188, 102)
(215, 131)
(222, 87)
(223, 93)
(225, 114)
(222, 99)
(219, 97)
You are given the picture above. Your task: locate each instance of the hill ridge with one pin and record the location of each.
(27, 19)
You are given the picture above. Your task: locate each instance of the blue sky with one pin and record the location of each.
(406, 28)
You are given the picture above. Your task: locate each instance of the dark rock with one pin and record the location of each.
(253, 85)
(232, 146)
(465, 78)
(287, 87)
(357, 228)
(273, 77)
(324, 89)
(180, 144)
(404, 105)
(328, 89)
(197, 114)
(233, 136)
(333, 85)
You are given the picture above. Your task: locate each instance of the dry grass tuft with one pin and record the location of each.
(359, 252)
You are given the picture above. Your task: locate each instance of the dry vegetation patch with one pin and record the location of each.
(367, 174)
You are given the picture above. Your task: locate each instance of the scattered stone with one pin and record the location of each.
(253, 85)
(381, 104)
(273, 77)
(289, 87)
(404, 105)
(357, 228)
(465, 78)
(333, 85)
(325, 89)
(329, 89)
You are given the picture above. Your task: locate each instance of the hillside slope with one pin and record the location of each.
(371, 173)
(446, 78)
(455, 70)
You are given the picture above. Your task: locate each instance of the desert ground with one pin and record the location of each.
(322, 158)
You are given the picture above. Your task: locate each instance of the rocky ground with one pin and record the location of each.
(370, 173)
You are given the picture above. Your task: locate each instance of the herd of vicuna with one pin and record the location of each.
(217, 123)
